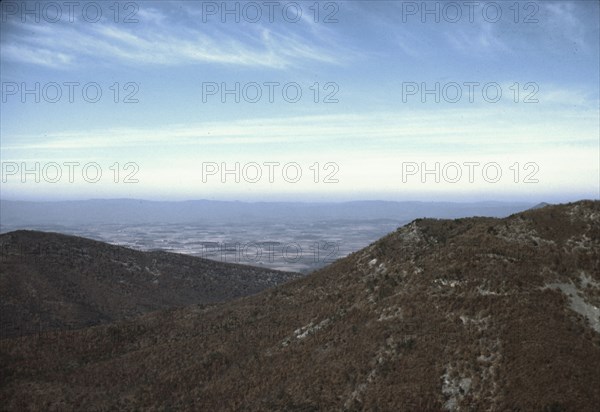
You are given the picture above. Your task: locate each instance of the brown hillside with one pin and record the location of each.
(53, 281)
(469, 314)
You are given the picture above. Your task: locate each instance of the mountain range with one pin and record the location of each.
(20, 214)
(467, 314)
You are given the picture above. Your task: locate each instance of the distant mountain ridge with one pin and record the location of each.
(23, 214)
(54, 281)
(458, 315)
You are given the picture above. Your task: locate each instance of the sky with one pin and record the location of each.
(313, 101)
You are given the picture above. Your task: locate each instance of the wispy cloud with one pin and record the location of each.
(422, 131)
(368, 55)
(481, 37)
(37, 56)
(369, 151)
(164, 41)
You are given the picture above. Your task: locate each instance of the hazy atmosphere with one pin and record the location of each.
(351, 100)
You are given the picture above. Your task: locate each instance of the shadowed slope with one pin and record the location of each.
(54, 281)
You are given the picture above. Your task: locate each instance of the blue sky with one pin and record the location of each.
(366, 56)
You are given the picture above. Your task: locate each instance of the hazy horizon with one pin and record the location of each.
(290, 236)
(431, 198)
